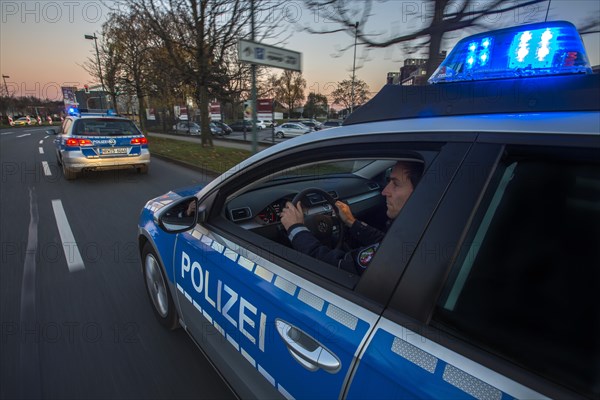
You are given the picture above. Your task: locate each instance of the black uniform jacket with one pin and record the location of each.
(354, 261)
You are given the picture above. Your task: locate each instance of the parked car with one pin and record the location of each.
(331, 124)
(187, 128)
(23, 121)
(240, 125)
(291, 129)
(485, 282)
(226, 129)
(311, 123)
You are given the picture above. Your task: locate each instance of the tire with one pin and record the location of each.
(68, 173)
(279, 135)
(158, 289)
(143, 169)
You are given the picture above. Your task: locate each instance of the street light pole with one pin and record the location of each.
(95, 39)
(353, 68)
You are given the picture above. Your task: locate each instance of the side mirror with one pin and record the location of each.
(51, 132)
(179, 216)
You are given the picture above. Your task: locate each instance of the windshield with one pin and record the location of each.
(105, 127)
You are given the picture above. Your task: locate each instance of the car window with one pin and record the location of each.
(524, 283)
(104, 127)
(252, 207)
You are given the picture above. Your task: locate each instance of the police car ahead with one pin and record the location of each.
(485, 283)
(99, 141)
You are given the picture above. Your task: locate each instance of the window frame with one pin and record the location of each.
(368, 294)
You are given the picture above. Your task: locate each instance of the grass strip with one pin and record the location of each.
(217, 159)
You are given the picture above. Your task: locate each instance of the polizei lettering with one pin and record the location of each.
(238, 311)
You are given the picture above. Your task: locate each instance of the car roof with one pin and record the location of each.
(522, 95)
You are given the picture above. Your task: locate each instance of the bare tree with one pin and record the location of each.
(342, 95)
(199, 36)
(289, 89)
(442, 16)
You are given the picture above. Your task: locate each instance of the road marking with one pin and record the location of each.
(26, 134)
(41, 151)
(42, 141)
(6, 133)
(74, 260)
(29, 370)
(45, 137)
(45, 165)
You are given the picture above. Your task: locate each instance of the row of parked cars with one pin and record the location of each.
(289, 128)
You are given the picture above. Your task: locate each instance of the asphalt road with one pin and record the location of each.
(83, 327)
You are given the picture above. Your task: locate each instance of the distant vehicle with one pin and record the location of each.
(187, 128)
(22, 121)
(311, 123)
(269, 123)
(224, 127)
(192, 128)
(97, 142)
(239, 126)
(331, 124)
(215, 129)
(292, 129)
(261, 124)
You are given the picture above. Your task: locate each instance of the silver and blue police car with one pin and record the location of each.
(484, 285)
(97, 141)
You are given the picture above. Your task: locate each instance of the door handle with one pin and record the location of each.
(306, 350)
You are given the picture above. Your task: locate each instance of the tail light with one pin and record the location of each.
(140, 140)
(78, 142)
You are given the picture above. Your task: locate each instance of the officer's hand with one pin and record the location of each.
(345, 213)
(291, 215)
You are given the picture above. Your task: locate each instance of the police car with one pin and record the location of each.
(484, 286)
(95, 141)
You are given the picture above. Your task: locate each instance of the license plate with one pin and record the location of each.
(114, 150)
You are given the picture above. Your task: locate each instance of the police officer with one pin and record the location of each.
(402, 181)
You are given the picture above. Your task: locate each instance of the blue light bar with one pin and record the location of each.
(546, 48)
(73, 111)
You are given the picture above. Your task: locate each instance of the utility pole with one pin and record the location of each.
(353, 68)
(253, 69)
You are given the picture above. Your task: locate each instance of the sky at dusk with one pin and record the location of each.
(42, 44)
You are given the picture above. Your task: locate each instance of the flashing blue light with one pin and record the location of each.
(548, 48)
(111, 112)
(73, 111)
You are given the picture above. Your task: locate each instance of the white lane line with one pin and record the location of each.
(29, 350)
(45, 137)
(26, 134)
(74, 260)
(45, 165)
(42, 141)
(6, 133)
(41, 151)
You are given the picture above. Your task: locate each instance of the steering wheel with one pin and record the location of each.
(322, 225)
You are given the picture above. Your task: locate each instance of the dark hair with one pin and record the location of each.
(413, 169)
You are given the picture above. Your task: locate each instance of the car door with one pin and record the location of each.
(499, 303)
(281, 316)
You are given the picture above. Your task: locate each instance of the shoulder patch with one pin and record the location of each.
(365, 255)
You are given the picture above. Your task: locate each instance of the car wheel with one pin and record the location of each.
(157, 289)
(279, 135)
(68, 173)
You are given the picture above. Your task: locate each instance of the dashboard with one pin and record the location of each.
(261, 208)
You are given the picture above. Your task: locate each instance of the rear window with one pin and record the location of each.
(105, 127)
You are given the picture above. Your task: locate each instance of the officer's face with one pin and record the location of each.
(397, 191)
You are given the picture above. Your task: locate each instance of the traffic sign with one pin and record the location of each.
(258, 53)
